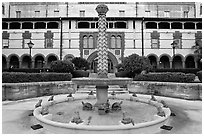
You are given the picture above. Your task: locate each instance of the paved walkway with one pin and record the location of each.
(16, 119)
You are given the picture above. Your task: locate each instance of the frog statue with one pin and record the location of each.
(77, 118)
(117, 106)
(87, 106)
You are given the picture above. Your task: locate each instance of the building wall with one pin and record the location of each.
(71, 36)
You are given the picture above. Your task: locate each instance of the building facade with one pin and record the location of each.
(163, 31)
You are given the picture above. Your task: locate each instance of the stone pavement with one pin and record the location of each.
(16, 119)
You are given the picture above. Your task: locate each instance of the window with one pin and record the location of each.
(134, 24)
(27, 25)
(121, 13)
(3, 9)
(4, 25)
(83, 24)
(189, 25)
(18, 14)
(155, 43)
(91, 42)
(93, 25)
(199, 25)
(15, 25)
(49, 42)
(147, 13)
(113, 42)
(111, 25)
(176, 25)
(166, 13)
(5, 43)
(151, 25)
(37, 13)
(185, 14)
(82, 13)
(164, 25)
(118, 40)
(120, 24)
(155, 40)
(70, 25)
(85, 42)
(200, 9)
(40, 25)
(52, 25)
(49, 39)
(56, 13)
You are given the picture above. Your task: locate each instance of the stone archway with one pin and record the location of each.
(112, 62)
(14, 61)
(164, 62)
(189, 62)
(153, 60)
(4, 62)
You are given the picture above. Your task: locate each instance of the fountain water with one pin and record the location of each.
(102, 104)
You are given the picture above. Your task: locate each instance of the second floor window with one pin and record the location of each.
(147, 13)
(166, 13)
(3, 9)
(185, 14)
(121, 13)
(37, 13)
(18, 14)
(82, 13)
(49, 42)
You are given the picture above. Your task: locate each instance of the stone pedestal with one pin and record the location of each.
(101, 95)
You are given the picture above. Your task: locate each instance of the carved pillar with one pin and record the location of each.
(102, 68)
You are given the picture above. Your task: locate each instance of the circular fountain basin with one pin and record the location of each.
(151, 125)
(101, 81)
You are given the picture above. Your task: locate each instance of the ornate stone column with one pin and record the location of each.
(102, 67)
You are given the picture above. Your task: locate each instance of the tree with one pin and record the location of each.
(198, 50)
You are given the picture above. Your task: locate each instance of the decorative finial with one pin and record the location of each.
(102, 9)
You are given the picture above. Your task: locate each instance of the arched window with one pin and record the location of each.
(85, 42)
(113, 42)
(91, 42)
(118, 45)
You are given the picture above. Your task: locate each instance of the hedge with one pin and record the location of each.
(183, 70)
(11, 77)
(27, 70)
(166, 77)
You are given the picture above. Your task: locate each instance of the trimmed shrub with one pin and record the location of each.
(166, 77)
(183, 70)
(27, 70)
(80, 73)
(135, 64)
(11, 77)
(80, 63)
(62, 66)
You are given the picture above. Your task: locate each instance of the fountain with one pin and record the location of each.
(99, 109)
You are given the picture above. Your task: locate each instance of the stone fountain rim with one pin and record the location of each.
(37, 114)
